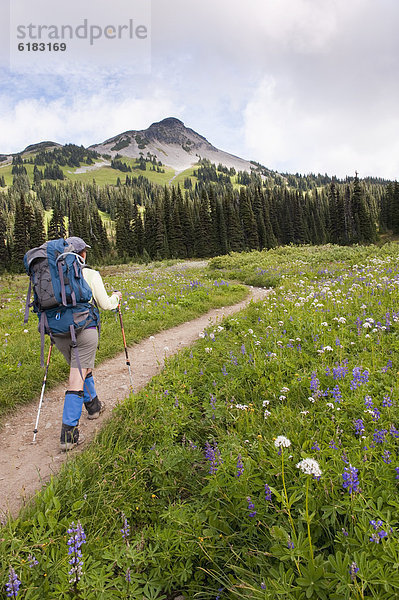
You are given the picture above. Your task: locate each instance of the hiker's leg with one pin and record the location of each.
(91, 402)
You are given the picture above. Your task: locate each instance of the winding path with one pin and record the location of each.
(25, 467)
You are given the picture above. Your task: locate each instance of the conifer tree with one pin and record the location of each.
(3, 246)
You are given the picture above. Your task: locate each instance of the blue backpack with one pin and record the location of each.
(61, 296)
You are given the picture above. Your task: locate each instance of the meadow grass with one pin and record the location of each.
(261, 463)
(153, 300)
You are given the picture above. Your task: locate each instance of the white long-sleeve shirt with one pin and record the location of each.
(100, 295)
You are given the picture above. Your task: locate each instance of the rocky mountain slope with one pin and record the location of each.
(172, 143)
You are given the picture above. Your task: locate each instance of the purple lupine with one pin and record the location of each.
(393, 431)
(224, 371)
(353, 569)
(128, 575)
(336, 394)
(397, 472)
(386, 457)
(379, 435)
(314, 383)
(315, 446)
(359, 426)
(359, 378)
(387, 401)
(78, 537)
(251, 507)
(240, 466)
(339, 371)
(350, 479)
(333, 445)
(213, 456)
(125, 531)
(378, 527)
(376, 415)
(290, 544)
(268, 493)
(368, 402)
(32, 561)
(13, 585)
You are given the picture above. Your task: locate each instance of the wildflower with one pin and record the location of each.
(268, 493)
(350, 479)
(282, 442)
(345, 533)
(284, 390)
(386, 457)
(379, 435)
(309, 466)
(75, 542)
(213, 456)
(13, 584)
(336, 394)
(32, 561)
(125, 531)
(393, 431)
(262, 585)
(333, 445)
(240, 466)
(315, 446)
(251, 507)
(387, 402)
(267, 414)
(359, 426)
(290, 544)
(368, 402)
(128, 576)
(281, 398)
(265, 403)
(353, 569)
(208, 350)
(359, 378)
(397, 472)
(376, 414)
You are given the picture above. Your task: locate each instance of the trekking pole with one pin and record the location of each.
(125, 345)
(42, 394)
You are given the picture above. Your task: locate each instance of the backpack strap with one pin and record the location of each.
(62, 282)
(28, 304)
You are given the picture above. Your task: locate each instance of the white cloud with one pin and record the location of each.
(81, 120)
(283, 134)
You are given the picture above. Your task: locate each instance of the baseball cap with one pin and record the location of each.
(77, 243)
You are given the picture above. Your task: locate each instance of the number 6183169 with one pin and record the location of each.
(42, 47)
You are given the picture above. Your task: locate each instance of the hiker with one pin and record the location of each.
(81, 389)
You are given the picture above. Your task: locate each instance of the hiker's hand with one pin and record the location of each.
(119, 294)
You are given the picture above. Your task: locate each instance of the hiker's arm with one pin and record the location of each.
(99, 292)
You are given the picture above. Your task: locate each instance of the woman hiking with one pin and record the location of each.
(81, 389)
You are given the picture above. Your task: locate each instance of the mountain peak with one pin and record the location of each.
(172, 143)
(168, 122)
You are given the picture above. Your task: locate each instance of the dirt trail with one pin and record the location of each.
(24, 466)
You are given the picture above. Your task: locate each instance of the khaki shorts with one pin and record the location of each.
(87, 342)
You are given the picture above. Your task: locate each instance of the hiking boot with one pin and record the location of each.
(70, 437)
(94, 408)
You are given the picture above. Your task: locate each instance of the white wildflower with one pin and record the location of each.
(282, 442)
(265, 403)
(330, 405)
(267, 414)
(324, 324)
(208, 350)
(309, 466)
(311, 399)
(26, 330)
(284, 390)
(281, 398)
(250, 331)
(304, 412)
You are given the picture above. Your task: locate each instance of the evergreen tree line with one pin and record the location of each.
(210, 219)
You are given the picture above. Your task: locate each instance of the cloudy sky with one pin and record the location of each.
(298, 85)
